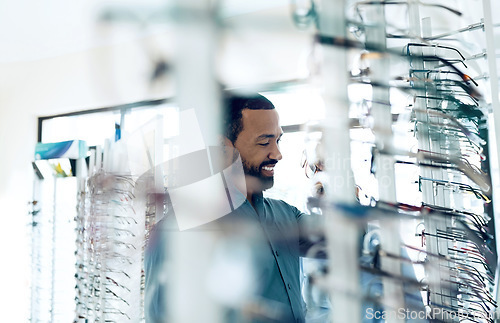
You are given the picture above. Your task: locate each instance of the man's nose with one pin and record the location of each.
(275, 153)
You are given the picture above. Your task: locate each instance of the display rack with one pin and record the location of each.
(450, 125)
(52, 245)
(425, 247)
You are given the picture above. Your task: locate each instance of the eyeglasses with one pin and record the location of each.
(461, 281)
(466, 232)
(469, 251)
(471, 27)
(348, 43)
(467, 88)
(450, 184)
(471, 303)
(440, 234)
(443, 132)
(434, 57)
(361, 25)
(468, 92)
(425, 210)
(471, 139)
(449, 63)
(438, 160)
(457, 108)
(440, 73)
(466, 257)
(310, 169)
(469, 225)
(469, 280)
(303, 15)
(482, 220)
(107, 240)
(396, 2)
(463, 163)
(482, 278)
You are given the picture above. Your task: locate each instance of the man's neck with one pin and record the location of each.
(250, 196)
(254, 186)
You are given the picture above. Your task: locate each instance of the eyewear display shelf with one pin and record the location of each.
(444, 94)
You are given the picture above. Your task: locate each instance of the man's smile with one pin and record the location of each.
(268, 170)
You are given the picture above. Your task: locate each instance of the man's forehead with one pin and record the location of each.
(261, 122)
(260, 117)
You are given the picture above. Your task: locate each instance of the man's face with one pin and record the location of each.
(258, 145)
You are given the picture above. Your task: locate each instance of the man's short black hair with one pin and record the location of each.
(234, 104)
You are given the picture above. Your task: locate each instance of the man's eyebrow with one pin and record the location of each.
(266, 136)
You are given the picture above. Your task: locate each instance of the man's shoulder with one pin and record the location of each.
(280, 204)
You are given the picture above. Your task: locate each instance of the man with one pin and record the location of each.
(252, 132)
(252, 129)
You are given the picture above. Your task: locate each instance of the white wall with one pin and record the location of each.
(94, 78)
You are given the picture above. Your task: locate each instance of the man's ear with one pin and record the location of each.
(225, 142)
(231, 153)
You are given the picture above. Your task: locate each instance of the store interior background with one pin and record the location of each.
(56, 57)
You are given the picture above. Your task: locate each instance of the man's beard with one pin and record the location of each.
(256, 171)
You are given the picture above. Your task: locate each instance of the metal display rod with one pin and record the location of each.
(382, 117)
(194, 74)
(341, 232)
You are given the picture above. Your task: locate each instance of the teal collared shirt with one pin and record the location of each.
(276, 263)
(278, 267)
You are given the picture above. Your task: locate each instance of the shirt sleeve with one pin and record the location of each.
(154, 259)
(307, 238)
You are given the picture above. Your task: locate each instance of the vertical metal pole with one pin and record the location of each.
(342, 233)
(196, 80)
(424, 142)
(196, 88)
(430, 194)
(382, 116)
